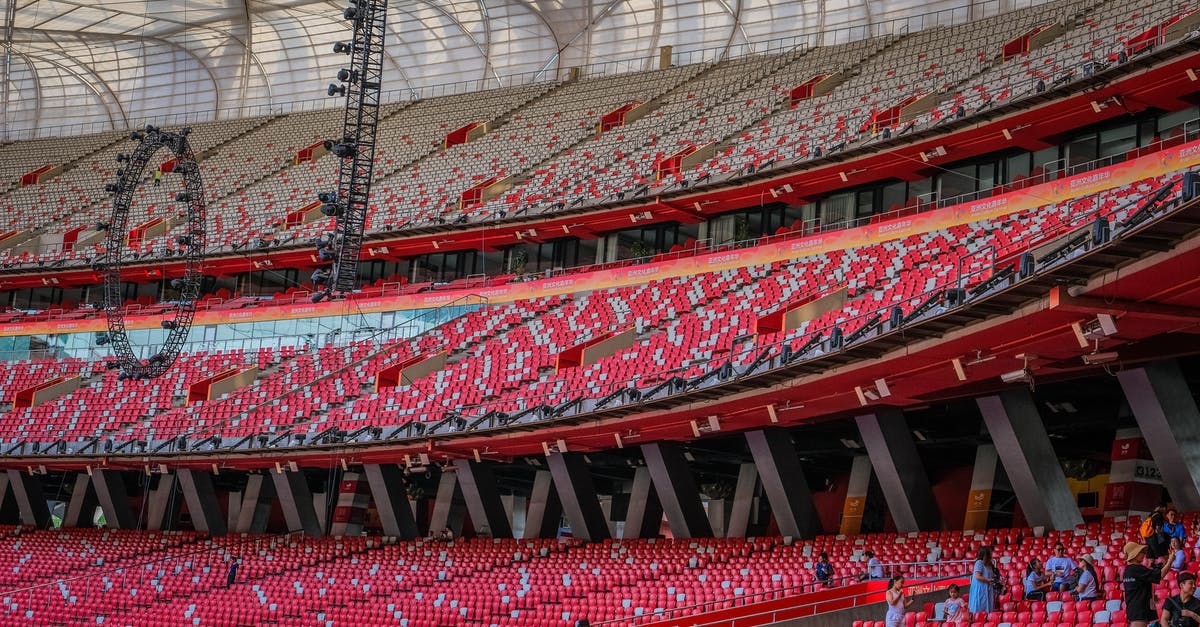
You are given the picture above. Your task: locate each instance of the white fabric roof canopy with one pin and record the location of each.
(73, 66)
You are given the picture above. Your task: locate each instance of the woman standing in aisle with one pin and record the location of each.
(983, 598)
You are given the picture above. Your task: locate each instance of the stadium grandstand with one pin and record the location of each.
(671, 312)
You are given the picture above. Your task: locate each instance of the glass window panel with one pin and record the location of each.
(1118, 141)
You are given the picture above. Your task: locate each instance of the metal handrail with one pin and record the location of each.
(780, 593)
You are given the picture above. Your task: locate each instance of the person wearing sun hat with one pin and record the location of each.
(1138, 581)
(1086, 586)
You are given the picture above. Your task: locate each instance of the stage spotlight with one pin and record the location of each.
(101, 339)
(102, 226)
(177, 284)
(336, 90)
(122, 157)
(151, 129)
(169, 325)
(112, 365)
(331, 209)
(112, 188)
(347, 76)
(183, 240)
(136, 136)
(185, 131)
(344, 150)
(342, 48)
(351, 13)
(183, 197)
(327, 197)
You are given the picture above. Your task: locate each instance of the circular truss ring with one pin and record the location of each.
(191, 244)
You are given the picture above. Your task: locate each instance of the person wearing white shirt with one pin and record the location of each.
(1060, 566)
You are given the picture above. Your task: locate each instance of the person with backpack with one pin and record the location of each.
(1183, 609)
(1152, 535)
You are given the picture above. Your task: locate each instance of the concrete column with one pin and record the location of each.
(545, 508)
(391, 500)
(784, 482)
(1134, 481)
(10, 514)
(201, 501)
(644, 516)
(1029, 460)
(482, 498)
(718, 511)
(577, 494)
(325, 502)
(854, 509)
(743, 502)
(81, 507)
(296, 501)
(31, 502)
(515, 508)
(255, 511)
(677, 491)
(1170, 423)
(902, 476)
(162, 508)
(113, 498)
(983, 480)
(448, 506)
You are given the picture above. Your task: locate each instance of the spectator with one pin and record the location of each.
(1151, 530)
(1138, 581)
(231, 577)
(824, 570)
(874, 566)
(1085, 588)
(1183, 609)
(982, 591)
(955, 606)
(1177, 555)
(1036, 582)
(897, 603)
(1061, 566)
(1173, 527)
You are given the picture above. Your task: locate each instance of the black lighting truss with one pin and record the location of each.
(192, 242)
(356, 148)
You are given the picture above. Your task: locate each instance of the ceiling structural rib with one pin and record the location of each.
(10, 12)
(266, 52)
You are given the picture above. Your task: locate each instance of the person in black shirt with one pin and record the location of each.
(231, 576)
(1139, 581)
(1183, 609)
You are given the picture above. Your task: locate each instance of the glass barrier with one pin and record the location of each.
(248, 337)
